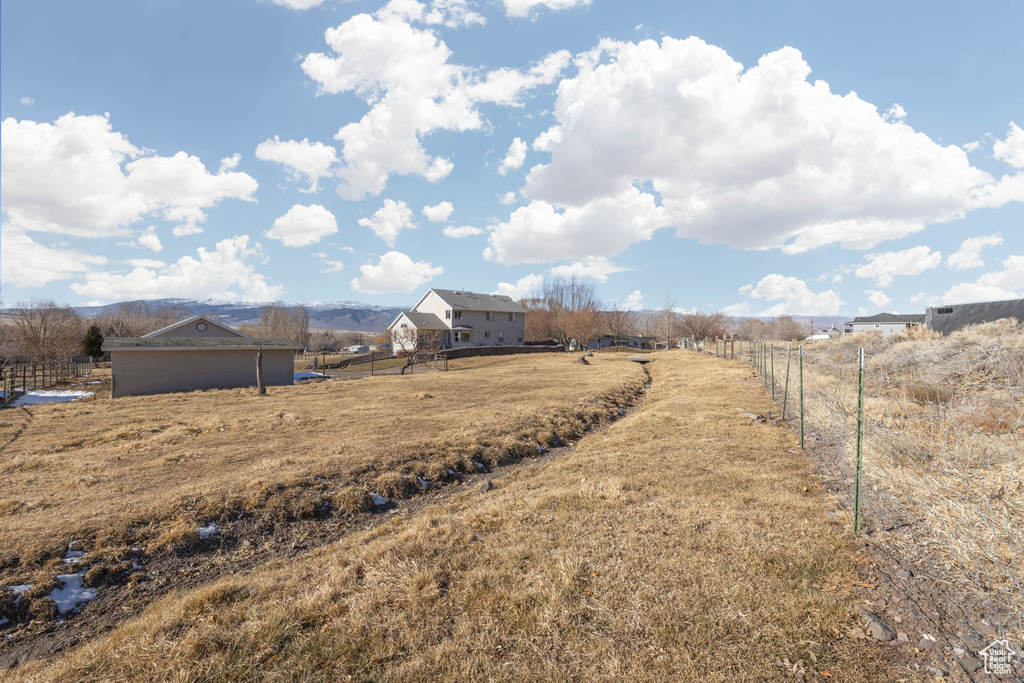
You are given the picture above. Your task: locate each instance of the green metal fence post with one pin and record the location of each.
(860, 438)
(785, 393)
(801, 397)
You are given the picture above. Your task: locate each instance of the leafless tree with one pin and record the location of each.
(669, 328)
(279, 321)
(700, 326)
(566, 310)
(45, 331)
(620, 322)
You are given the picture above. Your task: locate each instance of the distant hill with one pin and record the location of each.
(349, 316)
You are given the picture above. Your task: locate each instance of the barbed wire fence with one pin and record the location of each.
(923, 444)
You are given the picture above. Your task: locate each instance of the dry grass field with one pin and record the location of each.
(944, 418)
(683, 542)
(148, 471)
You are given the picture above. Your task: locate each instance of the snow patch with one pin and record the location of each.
(211, 529)
(23, 588)
(40, 396)
(3, 621)
(299, 376)
(72, 556)
(72, 594)
(479, 465)
(378, 500)
(422, 482)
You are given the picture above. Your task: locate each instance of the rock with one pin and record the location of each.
(879, 605)
(905, 574)
(970, 664)
(754, 416)
(486, 486)
(857, 633)
(972, 643)
(902, 637)
(936, 671)
(925, 644)
(878, 629)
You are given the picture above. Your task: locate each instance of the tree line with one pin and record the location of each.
(44, 331)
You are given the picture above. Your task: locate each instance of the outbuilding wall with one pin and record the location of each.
(147, 371)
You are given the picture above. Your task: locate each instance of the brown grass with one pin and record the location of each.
(944, 417)
(147, 471)
(681, 543)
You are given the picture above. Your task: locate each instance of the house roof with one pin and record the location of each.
(197, 343)
(189, 321)
(890, 318)
(422, 321)
(472, 301)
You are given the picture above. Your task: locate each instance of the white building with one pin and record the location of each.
(453, 319)
(885, 323)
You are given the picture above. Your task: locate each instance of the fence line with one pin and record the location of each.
(925, 438)
(22, 377)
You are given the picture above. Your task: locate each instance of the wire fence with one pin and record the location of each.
(924, 438)
(21, 377)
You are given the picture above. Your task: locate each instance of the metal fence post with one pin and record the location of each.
(801, 397)
(785, 393)
(773, 371)
(860, 437)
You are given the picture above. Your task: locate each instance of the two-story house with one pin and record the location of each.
(453, 319)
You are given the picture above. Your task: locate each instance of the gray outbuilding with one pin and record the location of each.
(197, 353)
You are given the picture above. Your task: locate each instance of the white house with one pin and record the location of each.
(454, 319)
(886, 323)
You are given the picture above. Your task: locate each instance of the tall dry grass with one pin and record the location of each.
(943, 437)
(684, 542)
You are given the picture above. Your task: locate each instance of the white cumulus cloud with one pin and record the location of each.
(507, 198)
(633, 302)
(439, 212)
(395, 273)
(969, 253)
(461, 231)
(303, 225)
(150, 240)
(514, 158)
(227, 272)
(793, 295)
(754, 158)
(594, 267)
(1007, 283)
(389, 220)
(878, 298)
(404, 75)
(1011, 150)
(539, 232)
(302, 158)
(77, 176)
(524, 288)
(27, 101)
(882, 267)
(27, 263)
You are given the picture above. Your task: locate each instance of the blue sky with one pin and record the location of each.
(757, 158)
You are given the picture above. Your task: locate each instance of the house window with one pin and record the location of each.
(201, 327)
(404, 326)
(448, 314)
(490, 315)
(487, 334)
(511, 317)
(520, 339)
(462, 337)
(501, 336)
(457, 315)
